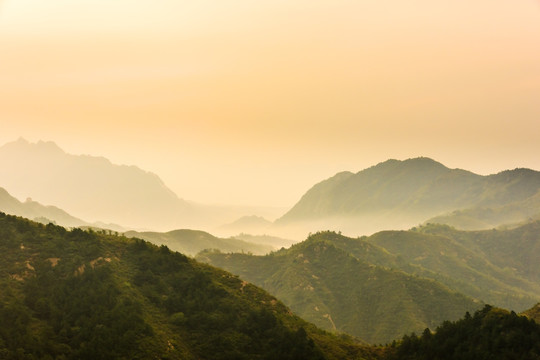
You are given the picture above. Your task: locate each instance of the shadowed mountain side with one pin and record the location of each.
(84, 295)
(337, 291)
(190, 242)
(400, 194)
(490, 333)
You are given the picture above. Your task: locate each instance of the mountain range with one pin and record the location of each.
(391, 195)
(401, 194)
(90, 187)
(340, 292)
(191, 242)
(398, 277)
(94, 189)
(88, 295)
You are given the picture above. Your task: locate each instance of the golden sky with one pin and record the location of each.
(252, 102)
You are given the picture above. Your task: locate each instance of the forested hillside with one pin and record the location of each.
(338, 291)
(489, 334)
(86, 295)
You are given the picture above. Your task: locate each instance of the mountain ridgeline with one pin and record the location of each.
(190, 242)
(89, 187)
(87, 295)
(395, 282)
(33, 210)
(400, 194)
(335, 290)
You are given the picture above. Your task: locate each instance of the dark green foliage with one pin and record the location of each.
(85, 295)
(489, 334)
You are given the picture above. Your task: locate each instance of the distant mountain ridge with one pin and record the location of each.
(247, 224)
(190, 242)
(36, 211)
(401, 194)
(91, 187)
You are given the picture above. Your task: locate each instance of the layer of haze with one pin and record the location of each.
(252, 102)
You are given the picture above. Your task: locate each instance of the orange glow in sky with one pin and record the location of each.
(252, 102)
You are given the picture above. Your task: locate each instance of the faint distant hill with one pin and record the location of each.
(248, 224)
(273, 241)
(91, 187)
(399, 194)
(190, 242)
(46, 213)
(36, 211)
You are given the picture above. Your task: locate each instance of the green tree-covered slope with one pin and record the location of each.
(338, 291)
(515, 250)
(457, 259)
(489, 334)
(85, 295)
(460, 266)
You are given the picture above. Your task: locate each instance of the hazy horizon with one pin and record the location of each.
(253, 103)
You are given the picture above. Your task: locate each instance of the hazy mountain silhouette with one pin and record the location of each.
(190, 242)
(92, 187)
(250, 224)
(47, 213)
(399, 194)
(33, 210)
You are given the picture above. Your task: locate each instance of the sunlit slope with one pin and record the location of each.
(338, 291)
(85, 295)
(394, 193)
